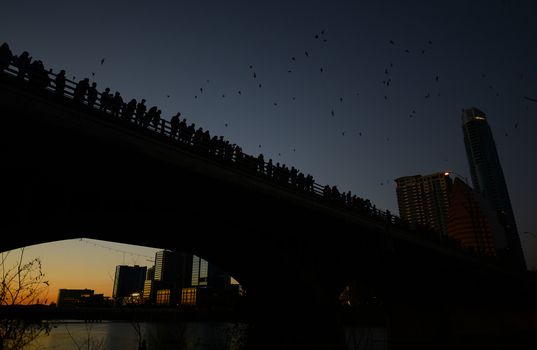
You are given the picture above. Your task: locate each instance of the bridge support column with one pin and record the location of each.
(296, 305)
(288, 318)
(418, 326)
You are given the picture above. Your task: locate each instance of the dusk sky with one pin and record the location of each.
(355, 93)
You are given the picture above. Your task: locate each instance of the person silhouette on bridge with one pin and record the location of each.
(22, 63)
(300, 181)
(335, 193)
(189, 132)
(228, 151)
(92, 95)
(327, 192)
(104, 101)
(277, 172)
(5, 57)
(38, 76)
(174, 124)
(129, 110)
(293, 174)
(59, 83)
(269, 168)
(197, 137)
(348, 198)
(182, 130)
(81, 90)
(156, 119)
(117, 104)
(148, 117)
(260, 163)
(213, 145)
(206, 140)
(309, 183)
(140, 112)
(238, 154)
(220, 145)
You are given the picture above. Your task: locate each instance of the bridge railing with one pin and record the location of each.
(224, 152)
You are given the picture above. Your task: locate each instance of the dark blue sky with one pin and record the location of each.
(483, 52)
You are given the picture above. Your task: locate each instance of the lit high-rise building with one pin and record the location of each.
(128, 280)
(473, 222)
(200, 272)
(205, 274)
(209, 284)
(173, 269)
(149, 286)
(424, 200)
(488, 180)
(173, 272)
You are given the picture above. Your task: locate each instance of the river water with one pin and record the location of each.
(77, 335)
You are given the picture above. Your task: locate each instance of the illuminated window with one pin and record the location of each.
(188, 296)
(163, 297)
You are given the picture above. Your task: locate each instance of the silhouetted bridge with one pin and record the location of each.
(70, 170)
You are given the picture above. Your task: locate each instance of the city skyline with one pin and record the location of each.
(70, 264)
(346, 125)
(84, 272)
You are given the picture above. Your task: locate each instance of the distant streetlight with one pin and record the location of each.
(447, 173)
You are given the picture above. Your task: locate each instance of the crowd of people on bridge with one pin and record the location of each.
(177, 128)
(86, 95)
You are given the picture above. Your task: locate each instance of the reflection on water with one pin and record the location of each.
(78, 335)
(158, 336)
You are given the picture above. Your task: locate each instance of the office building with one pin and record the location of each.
(73, 297)
(200, 272)
(210, 285)
(128, 280)
(149, 291)
(173, 272)
(173, 269)
(424, 200)
(81, 298)
(205, 274)
(473, 222)
(488, 180)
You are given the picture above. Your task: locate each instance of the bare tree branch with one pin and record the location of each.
(21, 284)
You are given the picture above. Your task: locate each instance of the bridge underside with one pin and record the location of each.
(68, 173)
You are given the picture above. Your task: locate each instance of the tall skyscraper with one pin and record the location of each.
(473, 222)
(424, 200)
(489, 181)
(128, 279)
(173, 269)
(200, 272)
(173, 272)
(210, 285)
(205, 274)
